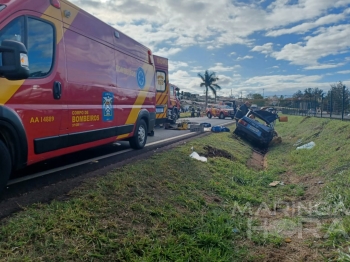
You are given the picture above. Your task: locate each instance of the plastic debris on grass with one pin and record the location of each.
(218, 129)
(275, 183)
(198, 157)
(307, 146)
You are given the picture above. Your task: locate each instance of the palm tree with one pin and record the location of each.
(209, 79)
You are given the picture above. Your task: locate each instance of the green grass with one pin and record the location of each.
(185, 114)
(173, 208)
(327, 162)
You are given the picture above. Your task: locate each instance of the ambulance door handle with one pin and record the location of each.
(57, 90)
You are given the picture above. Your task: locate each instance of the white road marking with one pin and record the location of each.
(44, 173)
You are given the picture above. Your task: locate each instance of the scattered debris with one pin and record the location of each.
(307, 146)
(282, 184)
(275, 140)
(320, 182)
(181, 125)
(275, 183)
(205, 124)
(217, 200)
(298, 143)
(198, 157)
(196, 128)
(214, 152)
(218, 129)
(287, 240)
(235, 230)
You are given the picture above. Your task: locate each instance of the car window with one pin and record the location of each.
(13, 31)
(40, 47)
(39, 40)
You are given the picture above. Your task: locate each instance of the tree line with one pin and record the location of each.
(338, 93)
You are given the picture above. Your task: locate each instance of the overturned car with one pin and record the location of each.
(258, 127)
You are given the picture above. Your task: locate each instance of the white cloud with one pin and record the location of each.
(166, 52)
(264, 49)
(305, 27)
(244, 57)
(149, 22)
(186, 26)
(175, 65)
(219, 67)
(273, 79)
(323, 66)
(186, 82)
(345, 72)
(328, 41)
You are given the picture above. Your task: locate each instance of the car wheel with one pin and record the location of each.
(138, 141)
(209, 115)
(6, 165)
(222, 116)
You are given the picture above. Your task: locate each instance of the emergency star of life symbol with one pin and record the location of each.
(141, 78)
(107, 101)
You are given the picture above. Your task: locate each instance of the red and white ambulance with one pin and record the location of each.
(167, 101)
(68, 82)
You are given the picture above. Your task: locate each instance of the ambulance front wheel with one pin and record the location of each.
(5, 164)
(139, 139)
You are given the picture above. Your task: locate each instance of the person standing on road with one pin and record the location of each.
(242, 111)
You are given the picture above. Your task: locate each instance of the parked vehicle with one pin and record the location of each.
(195, 112)
(254, 107)
(220, 111)
(68, 82)
(258, 126)
(168, 103)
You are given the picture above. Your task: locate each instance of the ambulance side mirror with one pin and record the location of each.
(14, 64)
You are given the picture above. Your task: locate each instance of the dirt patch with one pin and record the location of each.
(214, 152)
(257, 161)
(211, 199)
(303, 244)
(289, 252)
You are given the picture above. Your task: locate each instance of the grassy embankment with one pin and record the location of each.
(173, 208)
(185, 114)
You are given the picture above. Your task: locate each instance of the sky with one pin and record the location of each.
(253, 46)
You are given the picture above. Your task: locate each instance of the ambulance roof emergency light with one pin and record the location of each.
(56, 3)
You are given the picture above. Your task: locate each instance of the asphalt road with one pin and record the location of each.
(76, 164)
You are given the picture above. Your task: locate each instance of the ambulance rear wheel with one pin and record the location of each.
(139, 139)
(209, 115)
(221, 116)
(5, 164)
